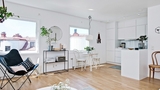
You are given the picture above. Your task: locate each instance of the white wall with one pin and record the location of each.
(153, 38)
(48, 19)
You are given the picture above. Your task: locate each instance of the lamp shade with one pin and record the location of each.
(89, 37)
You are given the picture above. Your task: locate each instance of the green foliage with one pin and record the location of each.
(47, 33)
(88, 48)
(142, 38)
(4, 13)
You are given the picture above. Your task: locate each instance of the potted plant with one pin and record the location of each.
(88, 48)
(4, 14)
(47, 33)
(141, 39)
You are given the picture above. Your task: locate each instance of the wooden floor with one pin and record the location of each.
(104, 78)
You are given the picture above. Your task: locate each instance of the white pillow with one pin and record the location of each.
(18, 68)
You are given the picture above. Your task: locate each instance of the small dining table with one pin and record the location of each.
(89, 55)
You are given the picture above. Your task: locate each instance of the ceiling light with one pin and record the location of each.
(90, 9)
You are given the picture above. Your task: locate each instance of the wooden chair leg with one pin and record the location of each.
(153, 71)
(149, 73)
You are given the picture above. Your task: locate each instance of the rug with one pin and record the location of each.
(88, 88)
(116, 67)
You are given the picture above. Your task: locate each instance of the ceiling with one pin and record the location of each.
(104, 10)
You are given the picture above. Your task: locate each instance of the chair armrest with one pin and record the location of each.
(36, 65)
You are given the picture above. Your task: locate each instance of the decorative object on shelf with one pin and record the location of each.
(141, 39)
(157, 30)
(99, 38)
(89, 37)
(88, 48)
(4, 14)
(47, 33)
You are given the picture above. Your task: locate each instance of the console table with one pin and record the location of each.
(46, 62)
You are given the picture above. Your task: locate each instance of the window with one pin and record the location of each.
(18, 34)
(78, 38)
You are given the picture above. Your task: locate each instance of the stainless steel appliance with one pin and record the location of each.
(123, 45)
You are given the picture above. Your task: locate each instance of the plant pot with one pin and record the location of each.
(50, 48)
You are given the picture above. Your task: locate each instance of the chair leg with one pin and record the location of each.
(28, 78)
(96, 64)
(7, 78)
(149, 73)
(85, 65)
(153, 72)
(99, 61)
(81, 66)
(75, 66)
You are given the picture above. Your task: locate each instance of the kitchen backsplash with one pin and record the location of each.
(132, 44)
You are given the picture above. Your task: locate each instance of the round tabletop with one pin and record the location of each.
(49, 88)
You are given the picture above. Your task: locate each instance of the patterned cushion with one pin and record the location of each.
(27, 64)
(18, 68)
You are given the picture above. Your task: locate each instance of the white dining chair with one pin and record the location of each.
(95, 59)
(80, 61)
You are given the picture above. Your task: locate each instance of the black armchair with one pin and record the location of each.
(13, 59)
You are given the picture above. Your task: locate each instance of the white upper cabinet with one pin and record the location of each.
(130, 23)
(132, 29)
(141, 30)
(142, 21)
(127, 33)
(121, 24)
(121, 33)
(130, 33)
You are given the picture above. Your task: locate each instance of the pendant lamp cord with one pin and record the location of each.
(3, 3)
(90, 19)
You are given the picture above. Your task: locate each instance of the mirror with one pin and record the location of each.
(56, 33)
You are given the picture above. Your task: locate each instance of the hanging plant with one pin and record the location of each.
(4, 14)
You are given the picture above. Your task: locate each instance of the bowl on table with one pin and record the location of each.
(130, 48)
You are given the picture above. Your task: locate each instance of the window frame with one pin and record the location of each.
(69, 35)
(36, 36)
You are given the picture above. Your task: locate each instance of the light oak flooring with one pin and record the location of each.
(103, 78)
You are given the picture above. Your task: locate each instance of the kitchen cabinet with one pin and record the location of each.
(141, 30)
(110, 44)
(134, 64)
(132, 29)
(142, 21)
(110, 56)
(130, 23)
(127, 33)
(118, 56)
